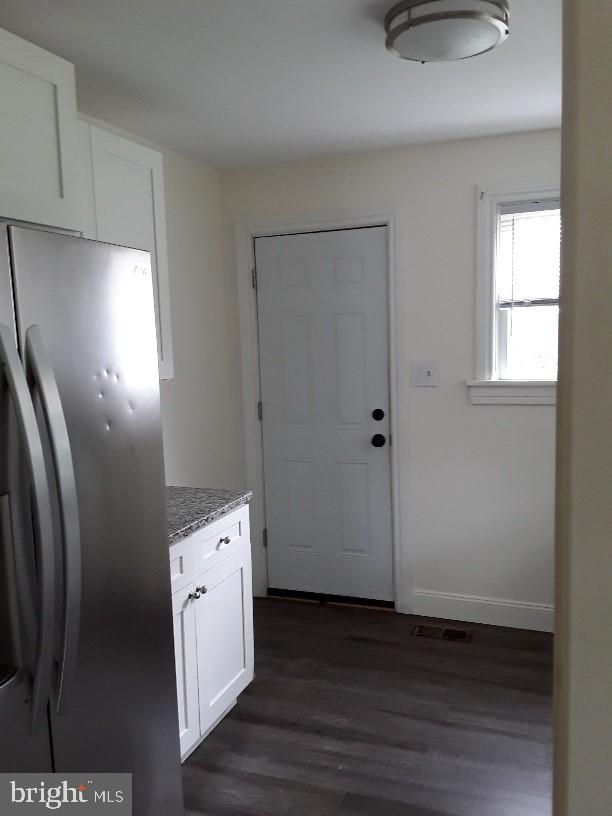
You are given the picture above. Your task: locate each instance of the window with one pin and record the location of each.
(517, 298)
(527, 290)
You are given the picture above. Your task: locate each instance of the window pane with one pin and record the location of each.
(531, 343)
(528, 249)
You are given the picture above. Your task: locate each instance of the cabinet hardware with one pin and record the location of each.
(225, 540)
(193, 596)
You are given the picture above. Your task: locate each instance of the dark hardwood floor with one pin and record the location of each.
(351, 715)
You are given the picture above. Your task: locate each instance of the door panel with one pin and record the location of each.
(39, 167)
(323, 334)
(130, 210)
(354, 478)
(224, 625)
(183, 613)
(94, 305)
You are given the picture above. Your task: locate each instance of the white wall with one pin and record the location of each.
(477, 481)
(583, 721)
(200, 406)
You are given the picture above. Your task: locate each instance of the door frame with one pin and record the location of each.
(245, 233)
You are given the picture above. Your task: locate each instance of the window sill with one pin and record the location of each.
(512, 392)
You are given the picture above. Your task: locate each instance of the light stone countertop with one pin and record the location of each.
(190, 508)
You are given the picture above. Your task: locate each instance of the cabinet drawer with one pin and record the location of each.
(207, 547)
(217, 541)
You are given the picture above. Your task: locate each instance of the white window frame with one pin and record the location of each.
(487, 388)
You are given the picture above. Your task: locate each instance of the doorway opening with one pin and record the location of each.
(322, 449)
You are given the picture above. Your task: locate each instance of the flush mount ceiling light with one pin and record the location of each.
(445, 30)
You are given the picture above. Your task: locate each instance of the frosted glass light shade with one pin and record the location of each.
(445, 30)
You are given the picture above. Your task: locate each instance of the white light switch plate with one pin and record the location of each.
(424, 375)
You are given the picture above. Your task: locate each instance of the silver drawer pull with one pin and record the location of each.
(225, 540)
(203, 590)
(193, 596)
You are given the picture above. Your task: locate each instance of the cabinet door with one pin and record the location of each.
(129, 198)
(224, 625)
(39, 158)
(88, 204)
(183, 612)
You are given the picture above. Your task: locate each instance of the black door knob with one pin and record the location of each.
(378, 414)
(378, 441)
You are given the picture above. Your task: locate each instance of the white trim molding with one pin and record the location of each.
(245, 233)
(493, 611)
(512, 392)
(487, 388)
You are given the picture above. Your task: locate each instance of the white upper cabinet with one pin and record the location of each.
(39, 158)
(128, 182)
(88, 208)
(58, 171)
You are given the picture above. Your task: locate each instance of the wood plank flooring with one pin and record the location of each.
(350, 715)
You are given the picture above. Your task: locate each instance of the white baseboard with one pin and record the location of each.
(495, 611)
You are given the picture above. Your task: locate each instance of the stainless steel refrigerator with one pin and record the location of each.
(87, 679)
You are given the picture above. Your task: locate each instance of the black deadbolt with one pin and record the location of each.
(378, 414)
(378, 441)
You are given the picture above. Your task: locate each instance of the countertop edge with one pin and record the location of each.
(205, 520)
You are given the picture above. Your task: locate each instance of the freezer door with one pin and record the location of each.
(21, 749)
(93, 306)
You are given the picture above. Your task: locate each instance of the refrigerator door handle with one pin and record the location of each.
(42, 519)
(40, 374)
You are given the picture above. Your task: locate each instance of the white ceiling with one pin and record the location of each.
(250, 81)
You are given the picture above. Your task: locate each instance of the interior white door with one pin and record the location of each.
(323, 315)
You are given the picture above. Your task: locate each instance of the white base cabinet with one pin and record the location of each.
(185, 653)
(213, 623)
(224, 634)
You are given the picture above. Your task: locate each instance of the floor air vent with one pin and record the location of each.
(458, 634)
